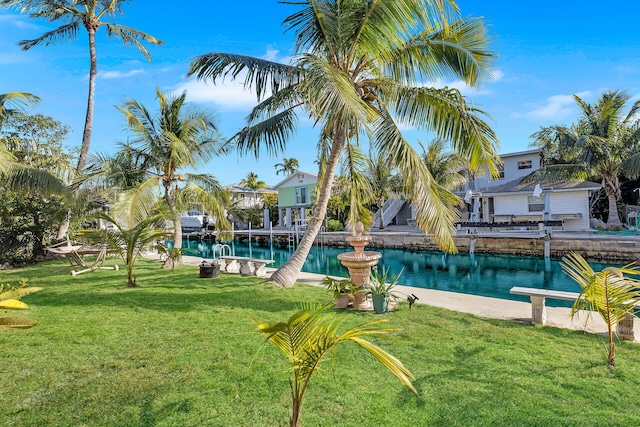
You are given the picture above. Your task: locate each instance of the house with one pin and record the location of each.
(245, 198)
(296, 193)
(504, 199)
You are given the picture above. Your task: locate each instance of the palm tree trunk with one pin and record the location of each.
(381, 209)
(613, 222)
(88, 121)
(286, 275)
(177, 225)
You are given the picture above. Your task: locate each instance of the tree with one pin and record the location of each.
(446, 167)
(176, 137)
(604, 144)
(607, 292)
(312, 332)
(359, 69)
(383, 183)
(129, 243)
(12, 102)
(75, 14)
(252, 182)
(35, 185)
(288, 166)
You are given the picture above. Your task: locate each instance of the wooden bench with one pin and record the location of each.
(246, 266)
(539, 310)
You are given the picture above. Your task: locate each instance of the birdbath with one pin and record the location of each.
(359, 264)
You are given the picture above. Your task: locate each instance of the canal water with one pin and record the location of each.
(479, 274)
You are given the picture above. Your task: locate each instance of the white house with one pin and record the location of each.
(245, 198)
(505, 199)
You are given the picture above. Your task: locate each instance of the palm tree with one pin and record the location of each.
(177, 137)
(10, 102)
(604, 144)
(383, 183)
(312, 332)
(129, 243)
(75, 14)
(358, 69)
(607, 292)
(252, 183)
(446, 167)
(288, 166)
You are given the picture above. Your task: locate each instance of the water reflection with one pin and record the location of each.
(478, 274)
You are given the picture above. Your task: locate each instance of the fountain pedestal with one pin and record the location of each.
(359, 263)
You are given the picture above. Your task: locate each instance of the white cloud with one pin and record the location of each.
(467, 90)
(119, 74)
(227, 95)
(556, 107)
(17, 21)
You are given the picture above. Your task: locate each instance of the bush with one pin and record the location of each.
(334, 225)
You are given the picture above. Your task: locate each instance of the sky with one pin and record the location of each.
(546, 52)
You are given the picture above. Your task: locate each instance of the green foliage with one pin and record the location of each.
(28, 223)
(338, 287)
(381, 284)
(310, 333)
(608, 292)
(171, 255)
(129, 243)
(335, 225)
(9, 300)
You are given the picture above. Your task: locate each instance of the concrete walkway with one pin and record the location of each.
(494, 308)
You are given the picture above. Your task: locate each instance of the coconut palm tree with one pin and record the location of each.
(383, 181)
(288, 166)
(252, 182)
(88, 14)
(129, 243)
(312, 332)
(358, 70)
(446, 167)
(10, 102)
(604, 144)
(176, 137)
(607, 292)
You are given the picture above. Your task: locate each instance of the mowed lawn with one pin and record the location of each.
(183, 351)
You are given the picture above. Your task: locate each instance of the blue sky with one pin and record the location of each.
(547, 51)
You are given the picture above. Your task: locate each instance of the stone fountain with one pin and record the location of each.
(359, 263)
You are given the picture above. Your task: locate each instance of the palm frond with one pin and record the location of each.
(458, 51)
(557, 173)
(262, 75)
(53, 37)
(131, 37)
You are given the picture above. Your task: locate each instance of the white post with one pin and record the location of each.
(288, 218)
(538, 311)
(280, 222)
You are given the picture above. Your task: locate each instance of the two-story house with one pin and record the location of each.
(296, 193)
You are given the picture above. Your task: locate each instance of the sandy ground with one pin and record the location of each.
(493, 308)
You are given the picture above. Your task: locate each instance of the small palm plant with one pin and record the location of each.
(310, 333)
(9, 300)
(129, 243)
(607, 292)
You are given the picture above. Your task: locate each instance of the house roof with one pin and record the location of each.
(292, 176)
(516, 187)
(239, 188)
(519, 153)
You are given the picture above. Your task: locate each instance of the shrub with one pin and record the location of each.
(334, 225)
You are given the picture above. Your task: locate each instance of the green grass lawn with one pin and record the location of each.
(183, 351)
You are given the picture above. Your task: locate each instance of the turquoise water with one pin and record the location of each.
(479, 274)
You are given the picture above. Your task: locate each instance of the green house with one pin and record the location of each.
(296, 194)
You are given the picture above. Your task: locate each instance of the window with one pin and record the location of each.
(301, 195)
(500, 172)
(536, 204)
(524, 164)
